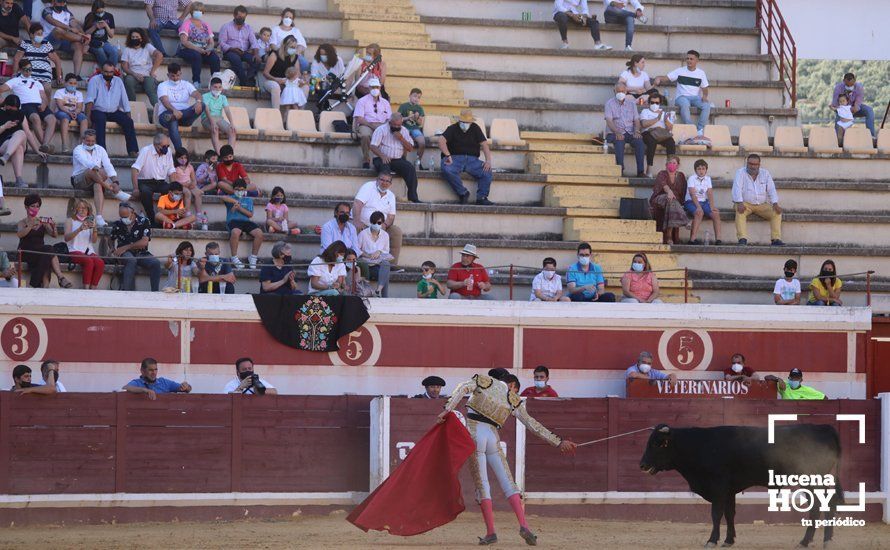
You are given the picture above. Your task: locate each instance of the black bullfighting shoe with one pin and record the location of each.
(530, 538)
(488, 539)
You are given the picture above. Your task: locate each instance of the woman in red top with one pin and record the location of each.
(640, 285)
(378, 70)
(666, 201)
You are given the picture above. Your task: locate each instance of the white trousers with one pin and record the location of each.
(489, 453)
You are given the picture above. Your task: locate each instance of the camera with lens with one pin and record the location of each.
(257, 386)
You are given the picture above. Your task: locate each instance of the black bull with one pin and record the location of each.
(720, 462)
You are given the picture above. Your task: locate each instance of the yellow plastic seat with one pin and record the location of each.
(505, 132)
(434, 125)
(823, 140)
(326, 124)
(268, 121)
(302, 123)
(858, 141)
(683, 132)
(789, 139)
(754, 139)
(241, 121)
(721, 141)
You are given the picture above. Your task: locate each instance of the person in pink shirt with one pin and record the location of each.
(185, 174)
(640, 284)
(196, 43)
(370, 112)
(277, 214)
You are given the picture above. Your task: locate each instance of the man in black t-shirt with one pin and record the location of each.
(12, 18)
(460, 144)
(130, 236)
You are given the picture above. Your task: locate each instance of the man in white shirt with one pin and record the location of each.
(65, 32)
(578, 12)
(547, 285)
(617, 13)
(45, 367)
(692, 90)
(375, 196)
(754, 192)
(151, 172)
(174, 107)
(92, 170)
(35, 103)
(247, 382)
(389, 143)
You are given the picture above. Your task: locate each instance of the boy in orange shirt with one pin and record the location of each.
(171, 212)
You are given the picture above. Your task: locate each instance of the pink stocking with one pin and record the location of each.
(516, 503)
(487, 515)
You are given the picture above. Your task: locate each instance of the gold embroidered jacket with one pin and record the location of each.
(492, 399)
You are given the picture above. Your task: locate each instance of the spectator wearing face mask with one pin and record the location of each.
(21, 382)
(130, 236)
(460, 144)
(339, 228)
(643, 370)
(666, 201)
(640, 284)
(214, 276)
(327, 272)
(795, 389)
(541, 386)
(239, 211)
(624, 127)
(547, 285)
(371, 112)
(739, 372)
(825, 290)
(855, 94)
(585, 281)
(45, 368)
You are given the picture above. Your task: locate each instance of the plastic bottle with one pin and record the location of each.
(472, 282)
(204, 221)
(432, 163)
(187, 285)
(708, 237)
(222, 287)
(284, 226)
(209, 287)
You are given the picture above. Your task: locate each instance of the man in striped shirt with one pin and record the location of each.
(389, 143)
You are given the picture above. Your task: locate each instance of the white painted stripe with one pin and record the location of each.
(146, 500)
(851, 352)
(655, 497)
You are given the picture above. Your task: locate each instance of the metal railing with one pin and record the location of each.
(780, 44)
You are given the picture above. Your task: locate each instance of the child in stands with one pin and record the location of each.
(185, 174)
(276, 214)
(787, 290)
(182, 270)
(265, 42)
(215, 104)
(171, 211)
(69, 109)
(205, 175)
(414, 114)
(228, 171)
(239, 211)
(428, 286)
(844, 116)
(699, 198)
(293, 96)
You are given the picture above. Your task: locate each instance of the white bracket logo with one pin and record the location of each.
(860, 418)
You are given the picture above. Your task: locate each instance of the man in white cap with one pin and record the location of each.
(468, 280)
(370, 112)
(460, 144)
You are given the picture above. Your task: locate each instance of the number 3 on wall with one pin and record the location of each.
(22, 338)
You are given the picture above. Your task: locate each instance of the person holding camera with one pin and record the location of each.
(248, 382)
(81, 234)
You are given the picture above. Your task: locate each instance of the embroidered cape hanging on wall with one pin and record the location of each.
(311, 323)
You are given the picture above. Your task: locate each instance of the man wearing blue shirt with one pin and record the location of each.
(107, 101)
(642, 369)
(149, 383)
(585, 279)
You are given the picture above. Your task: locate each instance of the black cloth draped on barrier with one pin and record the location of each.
(311, 323)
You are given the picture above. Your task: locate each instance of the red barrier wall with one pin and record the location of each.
(117, 442)
(614, 465)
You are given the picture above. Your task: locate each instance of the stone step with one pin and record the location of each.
(571, 163)
(544, 147)
(653, 37)
(308, 182)
(386, 40)
(550, 116)
(426, 220)
(402, 29)
(724, 14)
(503, 86)
(557, 137)
(586, 61)
(597, 230)
(584, 197)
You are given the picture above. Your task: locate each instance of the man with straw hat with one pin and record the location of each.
(460, 144)
(468, 280)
